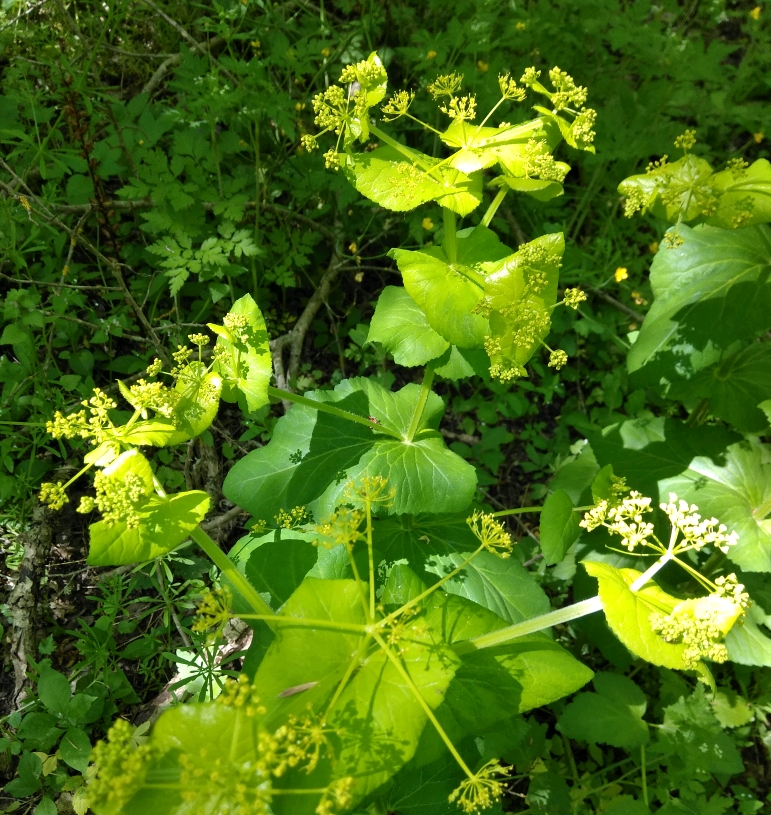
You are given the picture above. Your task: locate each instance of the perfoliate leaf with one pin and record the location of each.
(747, 643)
(243, 357)
(559, 527)
(448, 293)
(519, 293)
(535, 187)
(710, 291)
(312, 456)
(163, 524)
(738, 493)
(628, 613)
(401, 327)
(744, 196)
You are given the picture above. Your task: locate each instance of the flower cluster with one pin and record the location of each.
(154, 395)
(461, 108)
(482, 790)
(697, 531)
(117, 498)
(331, 109)
(567, 92)
(685, 141)
(213, 611)
(558, 360)
(371, 489)
(700, 624)
(298, 516)
(509, 88)
(397, 105)
(540, 163)
(342, 527)
(728, 586)
(90, 423)
(624, 519)
(445, 85)
(573, 298)
(53, 495)
(491, 534)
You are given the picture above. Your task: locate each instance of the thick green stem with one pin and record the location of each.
(401, 148)
(517, 511)
(422, 702)
(493, 208)
(450, 239)
(324, 407)
(558, 617)
(228, 568)
(417, 415)
(371, 559)
(305, 622)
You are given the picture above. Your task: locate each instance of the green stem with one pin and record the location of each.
(306, 622)
(228, 568)
(398, 146)
(643, 775)
(352, 666)
(450, 239)
(422, 702)
(517, 511)
(431, 589)
(324, 407)
(417, 415)
(493, 208)
(371, 558)
(760, 513)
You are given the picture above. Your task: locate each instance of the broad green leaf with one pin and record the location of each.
(732, 710)
(733, 387)
(456, 363)
(628, 613)
(75, 749)
(746, 642)
(576, 475)
(738, 494)
(559, 527)
(244, 360)
(646, 451)
(709, 292)
(612, 716)
(504, 587)
(53, 690)
(275, 563)
(400, 326)
(520, 291)
(312, 455)
(163, 524)
(448, 292)
(38, 731)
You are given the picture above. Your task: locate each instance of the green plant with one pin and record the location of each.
(395, 635)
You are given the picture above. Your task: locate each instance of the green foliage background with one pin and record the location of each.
(167, 136)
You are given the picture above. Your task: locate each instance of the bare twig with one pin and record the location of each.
(220, 520)
(295, 338)
(636, 315)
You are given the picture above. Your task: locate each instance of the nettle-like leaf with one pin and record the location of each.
(242, 354)
(613, 715)
(710, 292)
(402, 179)
(739, 493)
(312, 455)
(628, 613)
(145, 525)
(448, 293)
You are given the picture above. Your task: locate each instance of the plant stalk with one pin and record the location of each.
(229, 569)
(420, 405)
(324, 407)
(493, 208)
(450, 237)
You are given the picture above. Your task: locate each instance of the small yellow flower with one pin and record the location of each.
(325, 52)
(255, 43)
(358, 277)
(758, 137)
(621, 274)
(428, 224)
(482, 65)
(653, 247)
(352, 247)
(639, 299)
(521, 26)
(755, 13)
(430, 54)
